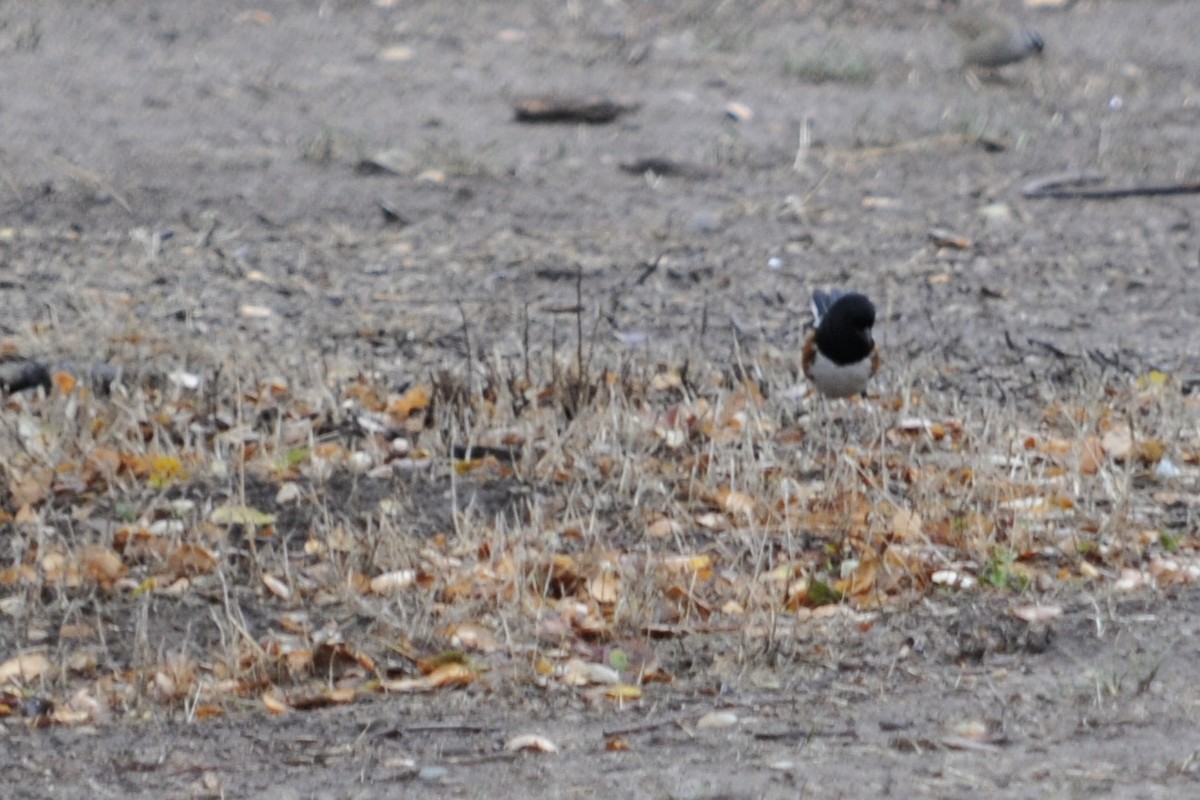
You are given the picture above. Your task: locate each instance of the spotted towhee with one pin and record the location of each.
(839, 354)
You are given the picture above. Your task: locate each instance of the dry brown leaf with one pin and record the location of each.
(531, 742)
(863, 579)
(234, 514)
(341, 540)
(102, 566)
(623, 691)
(192, 559)
(56, 569)
(343, 694)
(1173, 571)
(701, 564)
(322, 698)
(391, 582)
(296, 622)
(1037, 613)
(446, 676)
(298, 661)
(82, 662)
(277, 587)
(974, 730)
(664, 528)
(1091, 457)
(175, 679)
(208, 711)
(667, 380)
(946, 238)
(17, 575)
(250, 311)
(24, 668)
(76, 631)
(458, 590)
(274, 701)
(735, 502)
(605, 586)
(1117, 442)
(471, 636)
(1131, 580)
(906, 525)
(31, 488)
(1151, 451)
(67, 715)
(415, 399)
(689, 602)
(64, 381)
(577, 672)
(1056, 447)
(275, 387)
(104, 461)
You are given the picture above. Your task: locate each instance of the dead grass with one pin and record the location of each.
(288, 546)
(831, 63)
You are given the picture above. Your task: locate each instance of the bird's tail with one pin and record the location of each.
(822, 301)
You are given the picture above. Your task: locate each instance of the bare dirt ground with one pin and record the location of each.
(182, 187)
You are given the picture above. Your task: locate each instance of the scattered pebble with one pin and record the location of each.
(954, 578)
(288, 493)
(1166, 469)
(249, 311)
(398, 53)
(997, 213)
(186, 380)
(739, 112)
(715, 720)
(705, 222)
(431, 774)
(359, 462)
(632, 338)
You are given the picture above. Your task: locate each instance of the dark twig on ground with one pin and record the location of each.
(1082, 186)
(550, 109)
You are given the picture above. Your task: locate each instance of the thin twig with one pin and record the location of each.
(467, 338)
(91, 180)
(446, 727)
(924, 143)
(525, 345)
(646, 727)
(579, 322)
(1051, 348)
(648, 270)
(1082, 186)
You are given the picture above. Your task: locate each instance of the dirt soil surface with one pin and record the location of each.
(300, 188)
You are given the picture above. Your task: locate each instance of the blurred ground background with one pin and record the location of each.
(164, 167)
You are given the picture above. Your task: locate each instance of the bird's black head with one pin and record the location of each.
(855, 310)
(844, 334)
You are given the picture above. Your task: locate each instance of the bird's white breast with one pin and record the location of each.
(834, 380)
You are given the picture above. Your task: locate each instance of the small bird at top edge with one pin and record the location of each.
(989, 41)
(839, 355)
